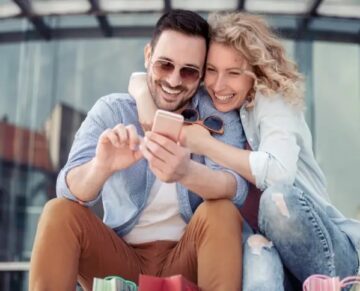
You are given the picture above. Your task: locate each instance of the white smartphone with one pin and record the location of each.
(168, 124)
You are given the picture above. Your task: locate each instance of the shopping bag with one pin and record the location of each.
(173, 283)
(325, 283)
(113, 283)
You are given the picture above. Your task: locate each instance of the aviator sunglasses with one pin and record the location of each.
(212, 123)
(188, 74)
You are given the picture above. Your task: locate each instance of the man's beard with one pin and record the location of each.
(161, 103)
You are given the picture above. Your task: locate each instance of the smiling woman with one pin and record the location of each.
(228, 79)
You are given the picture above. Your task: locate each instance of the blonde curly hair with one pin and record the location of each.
(272, 71)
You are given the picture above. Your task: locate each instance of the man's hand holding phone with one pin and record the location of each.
(118, 148)
(168, 160)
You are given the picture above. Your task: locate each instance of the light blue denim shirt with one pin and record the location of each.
(125, 193)
(282, 154)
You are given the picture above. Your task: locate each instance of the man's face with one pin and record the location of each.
(173, 66)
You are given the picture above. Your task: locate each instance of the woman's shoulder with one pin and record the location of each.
(273, 105)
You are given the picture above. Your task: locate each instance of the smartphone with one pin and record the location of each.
(168, 124)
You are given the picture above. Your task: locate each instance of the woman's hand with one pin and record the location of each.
(195, 137)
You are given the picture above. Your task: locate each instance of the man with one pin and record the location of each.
(152, 225)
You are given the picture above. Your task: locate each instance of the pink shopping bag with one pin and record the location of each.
(173, 283)
(325, 283)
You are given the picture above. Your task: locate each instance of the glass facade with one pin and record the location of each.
(47, 88)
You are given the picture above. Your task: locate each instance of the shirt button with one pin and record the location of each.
(251, 140)
(242, 116)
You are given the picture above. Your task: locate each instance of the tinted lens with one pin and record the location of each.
(214, 123)
(190, 115)
(163, 67)
(189, 74)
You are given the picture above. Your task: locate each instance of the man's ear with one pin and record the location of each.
(147, 54)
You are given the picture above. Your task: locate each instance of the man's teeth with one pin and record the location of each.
(224, 97)
(170, 91)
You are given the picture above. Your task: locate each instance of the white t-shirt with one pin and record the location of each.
(161, 219)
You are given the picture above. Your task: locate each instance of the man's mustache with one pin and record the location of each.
(166, 84)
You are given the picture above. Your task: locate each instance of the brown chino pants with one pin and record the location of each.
(73, 244)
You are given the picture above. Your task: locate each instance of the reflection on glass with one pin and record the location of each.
(205, 5)
(278, 6)
(46, 89)
(336, 73)
(344, 8)
(45, 7)
(131, 5)
(8, 9)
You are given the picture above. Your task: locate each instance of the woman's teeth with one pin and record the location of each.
(169, 90)
(224, 98)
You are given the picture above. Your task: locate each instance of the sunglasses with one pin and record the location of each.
(163, 68)
(212, 123)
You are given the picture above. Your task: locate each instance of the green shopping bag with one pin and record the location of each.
(113, 283)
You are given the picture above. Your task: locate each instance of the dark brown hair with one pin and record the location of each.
(184, 21)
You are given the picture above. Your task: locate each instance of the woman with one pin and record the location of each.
(247, 70)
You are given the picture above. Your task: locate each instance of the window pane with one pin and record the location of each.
(205, 5)
(279, 6)
(46, 7)
(46, 89)
(337, 120)
(344, 8)
(131, 5)
(8, 9)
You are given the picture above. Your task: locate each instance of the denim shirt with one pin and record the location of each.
(125, 193)
(282, 154)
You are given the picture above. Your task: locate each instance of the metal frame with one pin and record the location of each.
(39, 24)
(101, 18)
(241, 5)
(42, 31)
(309, 16)
(14, 266)
(167, 5)
(145, 31)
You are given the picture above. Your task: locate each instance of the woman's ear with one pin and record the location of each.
(147, 54)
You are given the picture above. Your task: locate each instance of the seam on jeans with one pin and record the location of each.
(357, 269)
(319, 226)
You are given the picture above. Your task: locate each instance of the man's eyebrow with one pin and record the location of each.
(186, 65)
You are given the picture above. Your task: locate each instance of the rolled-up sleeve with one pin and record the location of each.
(99, 118)
(233, 135)
(275, 161)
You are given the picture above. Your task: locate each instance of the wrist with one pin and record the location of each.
(186, 178)
(202, 147)
(101, 168)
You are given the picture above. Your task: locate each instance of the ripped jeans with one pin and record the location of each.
(298, 235)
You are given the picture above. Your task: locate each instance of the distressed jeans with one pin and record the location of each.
(298, 235)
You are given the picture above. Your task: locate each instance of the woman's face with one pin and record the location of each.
(225, 81)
